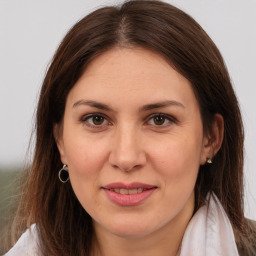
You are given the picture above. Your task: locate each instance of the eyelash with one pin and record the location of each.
(85, 119)
(168, 118)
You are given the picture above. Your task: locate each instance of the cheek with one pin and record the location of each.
(178, 156)
(84, 156)
(178, 163)
(85, 161)
(178, 169)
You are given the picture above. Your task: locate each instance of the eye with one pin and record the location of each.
(95, 120)
(160, 120)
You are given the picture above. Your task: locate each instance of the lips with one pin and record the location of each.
(128, 194)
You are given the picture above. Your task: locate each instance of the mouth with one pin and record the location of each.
(129, 194)
(124, 191)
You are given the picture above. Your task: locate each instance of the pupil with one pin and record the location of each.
(98, 120)
(159, 120)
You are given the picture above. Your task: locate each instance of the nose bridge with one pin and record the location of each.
(127, 152)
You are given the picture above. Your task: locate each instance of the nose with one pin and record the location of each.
(127, 152)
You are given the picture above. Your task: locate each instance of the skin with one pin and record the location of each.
(126, 144)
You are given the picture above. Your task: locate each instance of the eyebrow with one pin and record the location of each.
(162, 104)
(144, 108)
(92, 103)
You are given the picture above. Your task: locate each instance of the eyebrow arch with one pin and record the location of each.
(161, 105)
(92, 103)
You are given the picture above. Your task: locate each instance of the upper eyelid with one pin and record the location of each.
(170, 117)
(86, 116)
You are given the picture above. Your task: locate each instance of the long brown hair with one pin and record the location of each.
(63, 225)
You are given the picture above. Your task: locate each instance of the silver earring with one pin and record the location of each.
(63, 174)
(209, 161)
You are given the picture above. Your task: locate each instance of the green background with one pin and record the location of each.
(8, 198)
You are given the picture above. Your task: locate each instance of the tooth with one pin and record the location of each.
(133, 191)
(124, 191)
(117, 190)
(139, 190)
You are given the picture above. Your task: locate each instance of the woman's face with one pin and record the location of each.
(132, 138)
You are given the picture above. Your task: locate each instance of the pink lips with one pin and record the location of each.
(128, 194)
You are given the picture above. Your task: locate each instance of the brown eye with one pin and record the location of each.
(95, 120)
(159, 120)
(98, 120)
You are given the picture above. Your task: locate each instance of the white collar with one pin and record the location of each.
(209, 232)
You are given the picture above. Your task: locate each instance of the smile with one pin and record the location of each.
(128, 195)
(124, 191)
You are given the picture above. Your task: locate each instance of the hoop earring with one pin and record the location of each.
(63, 174)
(209, 161)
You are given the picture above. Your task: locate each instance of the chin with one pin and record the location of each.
(131, 229)
(130, 234)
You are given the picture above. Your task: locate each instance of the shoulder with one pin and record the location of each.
(27, 244)
(247, 247)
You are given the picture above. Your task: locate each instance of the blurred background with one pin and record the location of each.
(30, 32)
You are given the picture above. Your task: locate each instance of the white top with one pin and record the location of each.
(27, 244)
(208, 233)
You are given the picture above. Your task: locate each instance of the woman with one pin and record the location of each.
(139, 143)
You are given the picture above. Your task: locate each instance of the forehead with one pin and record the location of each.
(131, 74)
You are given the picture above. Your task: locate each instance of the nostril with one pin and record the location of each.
(115, 167)
(126, 168)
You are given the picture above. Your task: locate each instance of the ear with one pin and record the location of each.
(213, 139)
(58, 135)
